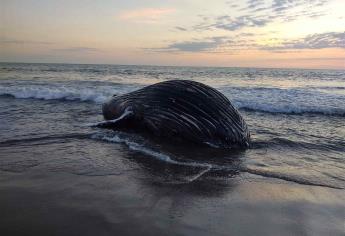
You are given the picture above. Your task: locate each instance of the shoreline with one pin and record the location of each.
(59, 203)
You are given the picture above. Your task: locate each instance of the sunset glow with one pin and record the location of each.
(252, 33)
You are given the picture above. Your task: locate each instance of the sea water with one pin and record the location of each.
(296, 118)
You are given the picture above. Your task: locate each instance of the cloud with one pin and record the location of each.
(69, 49)
(240, 43)
(146, 15)
(180, 28)
(228, 23)
(258, 13)
(247, 34)
(16, 41)
(293, 17)
(78, 50)
(283, 5)
(204, 45)
(255, 3)
(314, 41)
(234, 5)
(280, 5)
(322, 58)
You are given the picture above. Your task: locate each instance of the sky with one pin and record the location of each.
(229, 33)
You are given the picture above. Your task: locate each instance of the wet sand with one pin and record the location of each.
(59, 176)
(57, 203)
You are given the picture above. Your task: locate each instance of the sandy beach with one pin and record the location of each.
(172, 118)
(65, 204)
(61, 175)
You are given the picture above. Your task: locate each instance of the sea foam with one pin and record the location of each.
(272, 100)
(55, 93)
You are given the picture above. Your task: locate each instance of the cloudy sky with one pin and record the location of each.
(248, 33)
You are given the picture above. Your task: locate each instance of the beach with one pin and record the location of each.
(134, 204)
(61, 175)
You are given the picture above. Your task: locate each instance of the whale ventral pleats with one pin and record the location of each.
(181, 110)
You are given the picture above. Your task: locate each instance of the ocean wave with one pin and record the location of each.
(289, 101)
(289, 109)
(270, 100)
(56, 93)
(208, 167)
(135, 146)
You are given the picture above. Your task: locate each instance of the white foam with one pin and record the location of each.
(291, 108)
(158, 155)
(271, 100)
(51, 93)
(296, 101)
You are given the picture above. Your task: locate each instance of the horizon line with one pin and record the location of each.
(196, 66)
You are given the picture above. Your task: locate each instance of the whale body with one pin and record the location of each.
(179, 110)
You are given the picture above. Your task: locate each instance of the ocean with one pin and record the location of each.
(296, 118)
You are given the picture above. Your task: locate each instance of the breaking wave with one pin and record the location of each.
(56, 93)
(271, 101)
(290, 109)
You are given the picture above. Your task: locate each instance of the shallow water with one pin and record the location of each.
(296, 119)
(61, 175)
